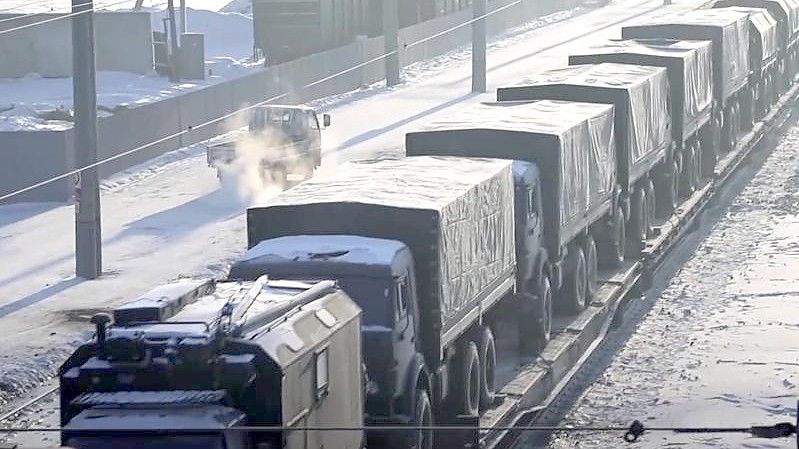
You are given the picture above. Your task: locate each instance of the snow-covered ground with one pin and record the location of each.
(720, 347)
(228, 54)
(171, 218)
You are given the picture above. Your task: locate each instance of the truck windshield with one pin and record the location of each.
(148, 442)
(373, 295)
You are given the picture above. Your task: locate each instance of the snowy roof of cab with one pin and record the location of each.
(552, 117)
(609, 75)
(658, 47)
(419, 182)
(720, 17)
(286, 106)
(343, 248)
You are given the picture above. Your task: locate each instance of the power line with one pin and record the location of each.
(631, 433)
(244, 109)
(31, 14)
(61, 17)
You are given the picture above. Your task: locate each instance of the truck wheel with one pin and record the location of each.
(535, 318)
(422, 417)
(650, 209)
(666, 190)
(687, 185)
(591, 268)
(488, 363)
(611, 241)
(467, 388)
(636, 227)
(572, 295)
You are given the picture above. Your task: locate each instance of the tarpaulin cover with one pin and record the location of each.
(729, 31)
(571, 143)
(689, 67)
(640, 95)
(455, 214)
(786, 14)
(763, 36)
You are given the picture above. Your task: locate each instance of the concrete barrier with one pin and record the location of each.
(131, 128)
(124, 43)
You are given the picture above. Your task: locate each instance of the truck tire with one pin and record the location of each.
(636, 225)
(666, 189)
(466, 391)
(687, 185)
(612, 237)
(535, 318)
(422, 417)
(591, 268)
(572, 297)
(488, 364)
(651, 209)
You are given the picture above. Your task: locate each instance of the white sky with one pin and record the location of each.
(24, 6)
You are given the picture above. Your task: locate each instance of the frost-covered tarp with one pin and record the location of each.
(727, 29)
(640, 95)
(571, 143)
(763, 34)
(455, 214)
(785, 12)
(689, 68)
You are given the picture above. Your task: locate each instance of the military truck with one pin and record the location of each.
(687, 65)
(786, 13)
(282, 140)
(189, 363)
(425, 245)
(763, 60)
(571, 192)
(644, 149)
(729, 33)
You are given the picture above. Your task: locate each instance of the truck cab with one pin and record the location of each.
(379, 275)
(287, 138)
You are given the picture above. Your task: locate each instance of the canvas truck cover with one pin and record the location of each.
(729, 32)
(689, 65)
(571, 143)
(455, 214)
(762, 36)
(782, 11)
(640, 95)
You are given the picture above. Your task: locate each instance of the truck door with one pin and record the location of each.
(528, 224)
(404, 328)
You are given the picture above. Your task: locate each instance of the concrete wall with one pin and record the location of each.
(131, 128)
(124, 43)
(31, 157)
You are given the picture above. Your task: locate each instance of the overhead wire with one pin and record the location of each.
(61, 17)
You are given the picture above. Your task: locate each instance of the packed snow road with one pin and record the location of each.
(172, 219)
(718, 346)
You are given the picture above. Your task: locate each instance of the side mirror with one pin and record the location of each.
(326, 120)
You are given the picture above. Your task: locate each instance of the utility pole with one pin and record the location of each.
(391, 35)
(174, 74)
(182, 17)
(479, 46)
(88, 244)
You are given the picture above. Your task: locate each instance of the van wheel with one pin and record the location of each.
(572, 295)
(591, 268)
(422, 417)
(488, 363)
(650, 209)
(467, 389)
(636, 229)
(535, 318)
(611, 241)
